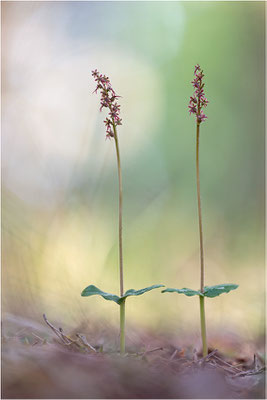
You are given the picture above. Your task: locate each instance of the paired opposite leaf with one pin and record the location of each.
(132, 292)
(214, 291)
(186, 291)
(209, 291)
(93, 290)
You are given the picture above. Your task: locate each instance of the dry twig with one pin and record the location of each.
(56, 331)
(144, 353)
(250, 372)
(226, 363)
(173, 354)
(68, 341)
(84, 342)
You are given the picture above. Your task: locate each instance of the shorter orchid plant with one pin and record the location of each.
(109, 101)
(196, 104)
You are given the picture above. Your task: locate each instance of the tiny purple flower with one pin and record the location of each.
(198, 100)
(197, 68)
(108, 97)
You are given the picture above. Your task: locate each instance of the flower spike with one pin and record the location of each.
(198, 100)
(108, 100)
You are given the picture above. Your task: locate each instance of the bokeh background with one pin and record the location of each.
(59, 176)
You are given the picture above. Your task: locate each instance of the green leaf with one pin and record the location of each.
(214, 291)
(132, 292)
(209, 291)
(186, 291)
(93, 290)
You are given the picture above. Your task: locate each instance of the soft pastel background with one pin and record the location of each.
(59, 177)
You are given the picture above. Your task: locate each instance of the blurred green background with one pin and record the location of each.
(59, 177)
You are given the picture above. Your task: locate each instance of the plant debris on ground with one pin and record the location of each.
(56, 364)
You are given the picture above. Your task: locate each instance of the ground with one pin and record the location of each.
(45, 362)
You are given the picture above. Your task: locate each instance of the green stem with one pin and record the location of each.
(120, 209)
(202, 307)
(200, 216)
(122, 306)
(203, 325)
(122, 327)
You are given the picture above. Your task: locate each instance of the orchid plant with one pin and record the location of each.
(197, 103)
(109, 101)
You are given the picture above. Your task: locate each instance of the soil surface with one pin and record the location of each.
(42, 361)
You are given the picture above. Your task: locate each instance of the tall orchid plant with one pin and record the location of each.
(109, 100)
(197, 103)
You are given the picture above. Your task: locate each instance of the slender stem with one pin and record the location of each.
(122, 305)
(203, 325)
(201, 298)
(122, 327)
(120, 209)
(200, 216)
